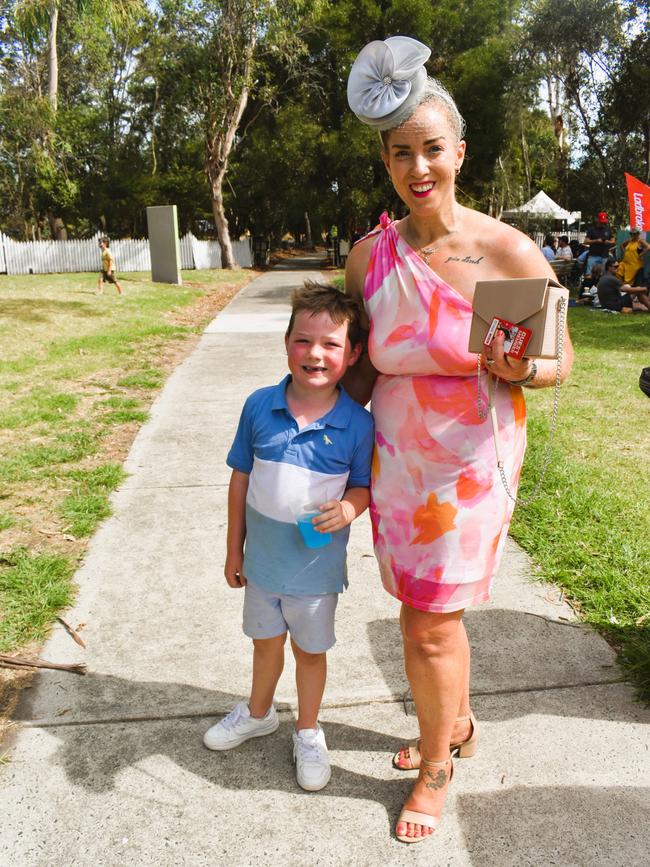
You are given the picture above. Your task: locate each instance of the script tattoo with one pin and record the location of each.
(438, 780)
(467, 259)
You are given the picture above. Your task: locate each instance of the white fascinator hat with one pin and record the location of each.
(387, 80)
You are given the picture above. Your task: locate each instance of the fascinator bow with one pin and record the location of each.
(386, 80)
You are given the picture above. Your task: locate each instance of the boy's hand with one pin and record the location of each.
(233, 571)
(335, 514)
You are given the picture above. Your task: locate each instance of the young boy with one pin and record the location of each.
(108, 268)
(302, 445)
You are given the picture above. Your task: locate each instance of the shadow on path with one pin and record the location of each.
(516, 652)
(94, 756)
(521, 825)
(569, 825)
(307, 262)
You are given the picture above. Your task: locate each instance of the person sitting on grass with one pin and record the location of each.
(615, 295)
(302, 446)
(107, 274)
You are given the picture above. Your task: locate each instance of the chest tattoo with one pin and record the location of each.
(467, 259)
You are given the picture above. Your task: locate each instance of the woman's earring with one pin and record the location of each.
(457, 170)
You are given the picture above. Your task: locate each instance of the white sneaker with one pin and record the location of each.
(239, 726)
(313, 770)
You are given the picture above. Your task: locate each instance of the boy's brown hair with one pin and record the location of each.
(318, 298)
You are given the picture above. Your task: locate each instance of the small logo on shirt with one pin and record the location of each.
(327, 440)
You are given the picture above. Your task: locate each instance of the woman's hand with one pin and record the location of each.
(502, 365)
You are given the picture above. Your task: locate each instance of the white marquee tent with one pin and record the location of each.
(542, 205)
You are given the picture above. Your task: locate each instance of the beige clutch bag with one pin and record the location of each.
(537, 303)
(530, 301)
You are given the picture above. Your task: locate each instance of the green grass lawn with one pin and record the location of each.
(589, 530)
(78, 373)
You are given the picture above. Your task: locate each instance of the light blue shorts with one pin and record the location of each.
(309, 619)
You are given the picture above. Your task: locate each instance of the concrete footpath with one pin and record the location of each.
(109, 769)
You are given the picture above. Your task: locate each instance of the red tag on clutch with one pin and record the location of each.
(517, 337)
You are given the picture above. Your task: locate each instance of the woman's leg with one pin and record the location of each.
(436, 658)
(268, 662)
(461, 730)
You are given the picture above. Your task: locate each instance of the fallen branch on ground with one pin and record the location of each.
(19, 662)
(72, 632)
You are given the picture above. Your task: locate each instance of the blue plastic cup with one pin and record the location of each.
(310, 535)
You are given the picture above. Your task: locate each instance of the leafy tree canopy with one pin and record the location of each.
(236, 110)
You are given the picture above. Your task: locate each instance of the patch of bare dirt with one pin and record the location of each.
(12, 683)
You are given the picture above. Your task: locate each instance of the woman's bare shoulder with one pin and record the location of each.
(356, 265)
(517, 255)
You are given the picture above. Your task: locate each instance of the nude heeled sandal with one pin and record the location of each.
(424, 819)
(462, 750)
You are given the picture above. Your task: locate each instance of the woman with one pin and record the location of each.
(630, 269)
(440, 516)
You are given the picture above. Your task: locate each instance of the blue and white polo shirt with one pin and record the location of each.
(290, 468)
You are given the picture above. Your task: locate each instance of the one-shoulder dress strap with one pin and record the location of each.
(384, 223)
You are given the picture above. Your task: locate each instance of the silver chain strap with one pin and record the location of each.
(484, 411)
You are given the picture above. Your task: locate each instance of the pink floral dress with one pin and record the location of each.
(439, 512)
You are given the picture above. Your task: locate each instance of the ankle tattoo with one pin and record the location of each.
(436, 780)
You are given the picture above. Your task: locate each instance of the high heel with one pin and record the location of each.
(425, 820)
(463, 750)
(466, 749)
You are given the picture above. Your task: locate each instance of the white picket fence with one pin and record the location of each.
(56, 257)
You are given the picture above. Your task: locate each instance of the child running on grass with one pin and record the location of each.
(107, 274)
(301, 446)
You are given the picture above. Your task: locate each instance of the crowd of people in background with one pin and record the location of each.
(604, 281)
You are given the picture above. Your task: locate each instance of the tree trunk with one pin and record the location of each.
(505, 178)
(220, 221)
(57, 227)
(234, 59)
(308, 241)
(218, 147)
(591, 136)
(524, 153)
(52, 59)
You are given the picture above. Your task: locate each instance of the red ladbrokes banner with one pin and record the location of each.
(639, 197)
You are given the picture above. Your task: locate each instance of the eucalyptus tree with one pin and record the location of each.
(626, 101)
(576, 46)
(39, 20)
(213, 58)
(37, 29)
